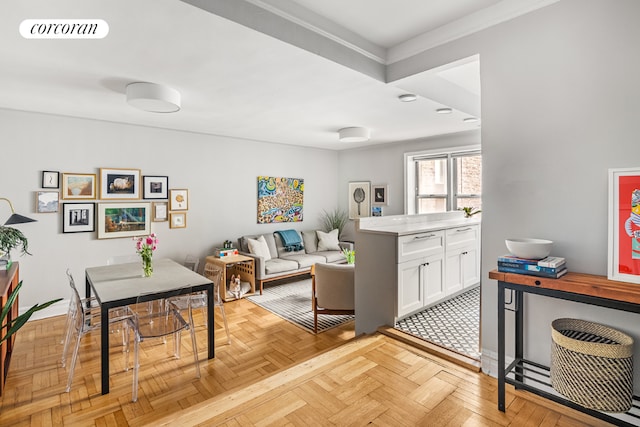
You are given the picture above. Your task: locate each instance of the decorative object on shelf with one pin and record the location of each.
(470, 211)
(280, 199)
(592, 364)
(12, 238)
(380, 195)
(350, 254)
(119, 184)
(160, 211)
(529, 248)
(78, 186)
(47, 201)
(78, 217)
(145, 247)
(359, 199)
(123, 219)
(227, 244)
(177, 220)
(178, 199)
(7, 330)
(335, 219)
(624, 225)
(376, 210)
(50, 179)
(155, 187)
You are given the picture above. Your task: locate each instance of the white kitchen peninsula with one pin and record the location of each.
(405, 263)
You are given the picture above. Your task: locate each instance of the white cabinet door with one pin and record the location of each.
(454, 272)
(433, 279)
(410, 289)
(470, 266)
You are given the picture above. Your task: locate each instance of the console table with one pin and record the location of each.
(583, 288)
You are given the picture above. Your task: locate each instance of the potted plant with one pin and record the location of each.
(337, 218)
(12, 327)
(12, 238)
(470, 211)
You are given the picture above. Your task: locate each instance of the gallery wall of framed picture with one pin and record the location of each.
(115, 202)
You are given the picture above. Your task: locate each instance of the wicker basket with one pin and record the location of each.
(592, 364)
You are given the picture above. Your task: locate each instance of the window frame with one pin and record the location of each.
(411, 196)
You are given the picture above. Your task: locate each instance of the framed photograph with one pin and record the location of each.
(359, 199)
(47, 201)
(380, 195)
(78, 217)
(155, 187)
(123, 219)
(624, 225)
(78, 186)
(178, 199)
(160, 212)
(119, 184)
(50, 179)
(177, 219)
(376, 210)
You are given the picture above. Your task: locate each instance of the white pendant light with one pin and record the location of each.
(153, 97)
(354, 134)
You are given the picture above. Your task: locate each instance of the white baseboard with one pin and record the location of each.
(57, 309)
(489, 362)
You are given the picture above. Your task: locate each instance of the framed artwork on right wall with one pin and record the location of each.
(624, 225)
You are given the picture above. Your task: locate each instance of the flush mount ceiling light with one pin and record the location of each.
(153, 97)
(354, 134)
(444, 111)
(407, 97)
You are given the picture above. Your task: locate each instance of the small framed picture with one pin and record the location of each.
(160, 211)
(177, 219)
(380, 195)
(376, 210)
(178, 199)
(126, 219)
(155, 187)
(78, 186)
(50, 179)
(47, 201)
(119, 184)
(78, 217)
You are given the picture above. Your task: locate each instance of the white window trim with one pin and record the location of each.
(409, 171)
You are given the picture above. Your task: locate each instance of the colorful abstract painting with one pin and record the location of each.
(280, 199)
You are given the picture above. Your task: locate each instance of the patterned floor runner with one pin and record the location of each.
(453, 324)
(292, 302)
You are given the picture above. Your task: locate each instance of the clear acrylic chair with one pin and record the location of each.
(82, 318)
(157, 319)
(199, 299)
(192, 262)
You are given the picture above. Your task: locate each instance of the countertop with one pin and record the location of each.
(401, 225)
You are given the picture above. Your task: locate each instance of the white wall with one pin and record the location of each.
(560, 103)
(220, 174)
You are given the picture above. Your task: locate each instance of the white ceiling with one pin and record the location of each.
(284, 71)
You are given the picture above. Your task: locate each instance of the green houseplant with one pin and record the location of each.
(336, 218)
(12, 238)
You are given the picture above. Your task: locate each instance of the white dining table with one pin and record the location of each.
(119, 285)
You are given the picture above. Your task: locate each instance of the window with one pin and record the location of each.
(443, 181)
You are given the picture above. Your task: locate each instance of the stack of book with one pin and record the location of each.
(223, 252)
(552, 267)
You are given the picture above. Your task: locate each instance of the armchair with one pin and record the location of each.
(333, 290)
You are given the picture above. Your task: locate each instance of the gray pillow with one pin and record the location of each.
(328, 241)
(310, 240)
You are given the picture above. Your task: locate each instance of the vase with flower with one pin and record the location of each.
(145, 246)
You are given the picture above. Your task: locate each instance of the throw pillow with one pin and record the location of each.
(259, 247)
(328, 241)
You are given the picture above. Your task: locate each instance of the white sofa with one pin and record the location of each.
(276, 262)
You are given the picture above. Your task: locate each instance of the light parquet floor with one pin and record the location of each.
(273, 373)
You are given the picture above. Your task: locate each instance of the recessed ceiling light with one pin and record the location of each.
(470, 119)
(444, 111)
(407, 97)
(354, 134)
(153, 97)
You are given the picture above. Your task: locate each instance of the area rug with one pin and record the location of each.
(453, 324)
(292, 301)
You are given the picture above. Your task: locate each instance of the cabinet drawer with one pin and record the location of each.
(420, 245)
(462, 236)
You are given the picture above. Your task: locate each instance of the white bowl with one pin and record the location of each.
(529, 248)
